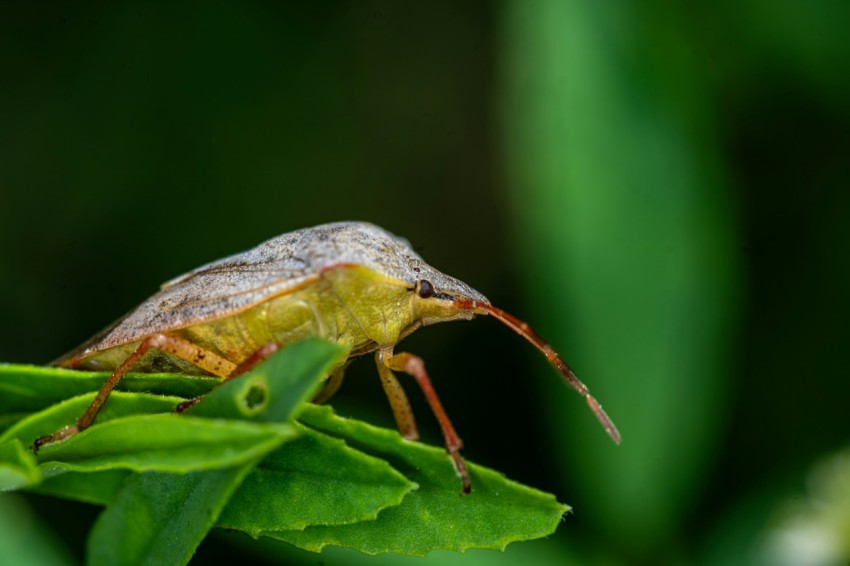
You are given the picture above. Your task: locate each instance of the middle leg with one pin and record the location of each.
(415, 367)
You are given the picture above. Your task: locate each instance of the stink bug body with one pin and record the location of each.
(350, 282)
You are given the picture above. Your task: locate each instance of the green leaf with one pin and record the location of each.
(165, 443)
(62, 414)
(9, 419)
(436, 516)
(618, 174)
(161, 518)
(275, 389)
(18, 466)
(25, 540)
(25, 388)
(332, 483)
(98, 488)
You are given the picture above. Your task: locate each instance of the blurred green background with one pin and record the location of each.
(661, 190)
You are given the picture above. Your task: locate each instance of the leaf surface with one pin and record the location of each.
(314, 480)
(65, 413)
(160, 518)
(435, 516)
(26, 388)
(165, 443)
(98, 488)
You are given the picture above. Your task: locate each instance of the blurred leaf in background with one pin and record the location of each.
(627, 230)
(24, 539)
(630, 231)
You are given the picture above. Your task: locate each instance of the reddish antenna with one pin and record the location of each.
(526, 332)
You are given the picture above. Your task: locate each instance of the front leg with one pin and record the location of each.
(402, 411)
(414, 366)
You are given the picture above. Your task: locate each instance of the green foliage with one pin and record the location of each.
(358, 484)
(434, 516)
(159, 518)
(163, 443)
(32, 388)
(252, 456)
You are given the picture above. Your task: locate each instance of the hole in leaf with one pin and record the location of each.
(256, 398)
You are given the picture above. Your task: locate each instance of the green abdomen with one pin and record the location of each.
(284, 319)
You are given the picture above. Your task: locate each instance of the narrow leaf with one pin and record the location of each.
(65, 413)
(166, 443)
(25, 388)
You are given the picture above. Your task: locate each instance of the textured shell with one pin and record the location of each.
(280, 265)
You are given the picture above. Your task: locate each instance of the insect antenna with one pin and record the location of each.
(526, 332)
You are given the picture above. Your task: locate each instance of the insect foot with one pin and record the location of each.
(66, 432)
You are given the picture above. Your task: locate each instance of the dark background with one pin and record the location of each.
(660, 190)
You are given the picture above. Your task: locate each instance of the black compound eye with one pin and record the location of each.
(425, 289)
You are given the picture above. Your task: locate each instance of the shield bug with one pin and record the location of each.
(351, 283)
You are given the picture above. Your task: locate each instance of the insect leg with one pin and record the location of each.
(331, 385)
(262, 354)
(414, 366)
(398, 400)
(255, 359)
(183, 349)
